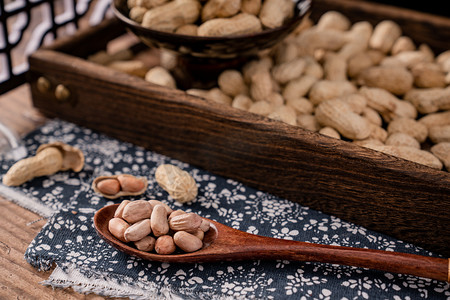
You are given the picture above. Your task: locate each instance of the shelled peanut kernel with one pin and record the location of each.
(153, 226)
(116, 186)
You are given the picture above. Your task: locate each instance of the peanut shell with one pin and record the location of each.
(178, 183)
(132, 185)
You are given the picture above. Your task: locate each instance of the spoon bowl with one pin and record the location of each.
(105, 214)
(223, 243)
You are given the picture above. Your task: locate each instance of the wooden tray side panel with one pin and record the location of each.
(380, 192)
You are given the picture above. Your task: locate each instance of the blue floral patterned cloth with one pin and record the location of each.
(87, 264)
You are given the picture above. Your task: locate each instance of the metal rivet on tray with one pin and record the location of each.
(43, 84)
(62, 93)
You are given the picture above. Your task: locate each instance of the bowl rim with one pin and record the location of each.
(301, 12)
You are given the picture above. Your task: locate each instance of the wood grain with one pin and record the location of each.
(18, 226)
(382, 195)
(375, 190)
(17, 111)
(223, 243)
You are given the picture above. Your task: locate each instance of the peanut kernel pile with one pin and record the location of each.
(369, 85)
(153, 226)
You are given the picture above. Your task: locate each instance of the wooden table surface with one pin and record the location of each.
(18, 226)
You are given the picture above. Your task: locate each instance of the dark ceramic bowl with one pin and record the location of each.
(212, 47)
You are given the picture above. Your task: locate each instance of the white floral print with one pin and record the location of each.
(69, 237)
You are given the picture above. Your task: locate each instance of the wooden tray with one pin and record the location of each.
(381, 192)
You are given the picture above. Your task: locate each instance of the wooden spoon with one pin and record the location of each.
(223, 243)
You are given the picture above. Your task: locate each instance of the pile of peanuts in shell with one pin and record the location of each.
(212, 17)
(152, 226)
(369, 85)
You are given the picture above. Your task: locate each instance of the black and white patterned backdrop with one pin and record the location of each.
(87, 264)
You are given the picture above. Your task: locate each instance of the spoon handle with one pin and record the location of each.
(234, 244)
(396, 262)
